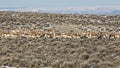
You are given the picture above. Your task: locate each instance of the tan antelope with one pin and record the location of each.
(41, 33)
(57, 35)
(84, 34)
(2, 34)
(90, 34)
(94, 34)
(117, 35)
(33, 33)
(12, 33)
(104, 35)
(114, 35)
(76, 35)
(66, 35)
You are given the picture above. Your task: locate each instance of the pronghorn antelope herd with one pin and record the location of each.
(52, 34)
(42, 40)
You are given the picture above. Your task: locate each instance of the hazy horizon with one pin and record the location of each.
(57, 4)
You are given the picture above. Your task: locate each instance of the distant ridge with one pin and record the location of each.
(93, 10)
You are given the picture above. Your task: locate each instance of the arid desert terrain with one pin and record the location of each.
(44, 40)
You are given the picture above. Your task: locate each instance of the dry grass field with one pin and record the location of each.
(39, 40)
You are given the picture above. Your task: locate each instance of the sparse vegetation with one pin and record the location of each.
(59, 52)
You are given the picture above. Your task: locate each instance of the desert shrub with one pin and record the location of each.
(56, 64)
(93, 60)
(105, 65)
(84, 56)
(68, 64)
(85, 65)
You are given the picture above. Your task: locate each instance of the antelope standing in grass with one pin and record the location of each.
(114, 35)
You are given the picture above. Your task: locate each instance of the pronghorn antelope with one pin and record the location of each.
(117, 35)
(104, 34)
(48, 35)
(89, 34)
(57, 35)
(76, 35)
(54, 34)
(35, 33)
(67, 35)
(7, 34)
(114, 35)
(94, 34)
(18, 32)
(84, 34)
(2, 34)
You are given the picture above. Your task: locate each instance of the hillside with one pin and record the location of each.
(39, 40)
(69, 10)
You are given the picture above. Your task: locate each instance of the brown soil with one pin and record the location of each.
(41, 52)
